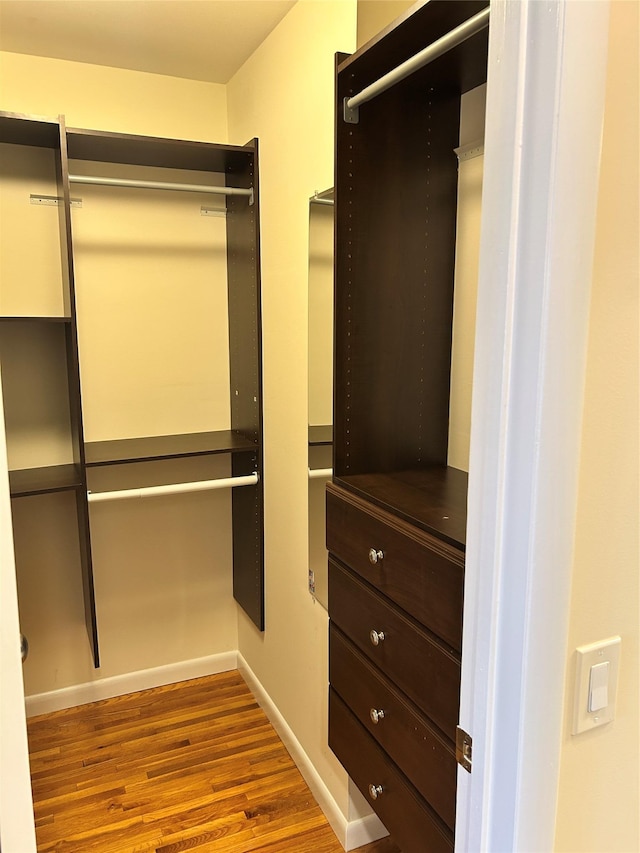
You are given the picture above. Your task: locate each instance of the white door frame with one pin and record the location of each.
(17, 832)
(545, 104)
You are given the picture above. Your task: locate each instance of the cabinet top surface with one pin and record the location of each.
(434, 499)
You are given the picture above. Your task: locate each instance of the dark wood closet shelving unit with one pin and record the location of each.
(243, 442)
(18, 129)
(396, 511)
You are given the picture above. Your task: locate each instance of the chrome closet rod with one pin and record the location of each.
(159, 185)
(174, 488)
(424, 57)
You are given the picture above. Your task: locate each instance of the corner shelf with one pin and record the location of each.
(44, 480)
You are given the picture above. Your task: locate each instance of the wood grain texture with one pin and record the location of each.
(190, 766)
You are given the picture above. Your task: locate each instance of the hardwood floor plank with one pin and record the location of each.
(193, 766)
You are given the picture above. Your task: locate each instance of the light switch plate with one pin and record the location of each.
(605, 651)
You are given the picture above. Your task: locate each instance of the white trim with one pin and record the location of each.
(17, 831)
(130, 682)
(545, 101)
(351, 834)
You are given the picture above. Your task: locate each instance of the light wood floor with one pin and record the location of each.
(192, 766)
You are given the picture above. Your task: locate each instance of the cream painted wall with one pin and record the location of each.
(94, 96)
(375, 15)
(599, 790)
(284, 94)
(162, 566)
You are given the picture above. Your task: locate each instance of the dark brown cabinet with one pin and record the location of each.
(396, 509)
(39, 336)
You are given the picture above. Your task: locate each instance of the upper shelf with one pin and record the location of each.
(19, 129)
(152, 151)
(158, 447)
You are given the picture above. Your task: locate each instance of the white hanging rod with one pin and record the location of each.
(317, 473)
(424, 57)
(174, 489)
(161, 185)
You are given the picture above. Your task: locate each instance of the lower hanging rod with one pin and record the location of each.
(419, 60)
(161, 185)
(320, 473)
(174, 489)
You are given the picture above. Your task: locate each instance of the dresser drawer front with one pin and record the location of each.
(422, 575)
(410, 821)
(419, 751)
(422, 668)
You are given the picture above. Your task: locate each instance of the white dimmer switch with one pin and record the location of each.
(596, 682)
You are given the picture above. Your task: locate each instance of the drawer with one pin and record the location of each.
(427, 671)
(418, 572)
(412, 824)
(420, 752)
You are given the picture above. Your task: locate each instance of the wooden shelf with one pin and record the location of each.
(40, 481)
(321, 434)
(34, 319)
(435, 498)
(20, 129)
(158, 447)
(155, 151)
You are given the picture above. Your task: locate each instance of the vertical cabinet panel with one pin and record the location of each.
(245, 348)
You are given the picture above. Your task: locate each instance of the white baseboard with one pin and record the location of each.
(363, 831)
(130, 682)
(350, 834)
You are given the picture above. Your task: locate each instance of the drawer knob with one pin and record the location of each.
(376, 637)
(375, 791)
(375, 556)
(376, 715)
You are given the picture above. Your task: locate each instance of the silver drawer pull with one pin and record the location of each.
(376, 715)
(376, 637)
(375, 791)
(375, 556)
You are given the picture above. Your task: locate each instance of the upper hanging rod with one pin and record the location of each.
(174, 489)
(161, 185)
(424, 57)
